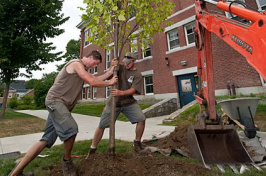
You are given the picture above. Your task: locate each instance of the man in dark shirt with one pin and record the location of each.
(130, 82)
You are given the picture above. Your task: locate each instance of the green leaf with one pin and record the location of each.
(99, 6)
(115, 8)
(121, 17)
(85, 1)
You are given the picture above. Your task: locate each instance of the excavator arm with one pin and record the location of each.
(248, 39)
(210, 141)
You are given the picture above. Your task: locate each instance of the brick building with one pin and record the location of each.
(169, 66)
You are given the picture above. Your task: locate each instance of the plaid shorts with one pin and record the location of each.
(59, 123)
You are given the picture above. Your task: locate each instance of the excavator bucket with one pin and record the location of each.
(216, 145)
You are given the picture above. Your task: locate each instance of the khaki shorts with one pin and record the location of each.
(59, 123)
(133, 112)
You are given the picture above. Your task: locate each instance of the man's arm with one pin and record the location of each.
(117, 92)
(110, 71)
(88, 78)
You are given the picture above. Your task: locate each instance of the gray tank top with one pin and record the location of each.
(66, 88)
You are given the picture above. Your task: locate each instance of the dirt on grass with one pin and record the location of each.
(151, 164)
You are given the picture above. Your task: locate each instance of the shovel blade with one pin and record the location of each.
(216, 144)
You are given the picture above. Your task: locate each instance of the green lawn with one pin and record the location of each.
(96, 110)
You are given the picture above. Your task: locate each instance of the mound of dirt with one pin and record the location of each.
(175, 140)
(132, 164)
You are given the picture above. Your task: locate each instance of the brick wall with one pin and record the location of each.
(229, 65)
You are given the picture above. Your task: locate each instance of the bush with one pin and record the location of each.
(13, 103)
(27, 100)
(24, 107)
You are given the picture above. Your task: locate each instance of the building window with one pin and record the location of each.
(108, 91)
(89, 70)
(262, 4)
(94, 92)
(133, 12)
(108, 59)
(148, 85)
(134, 46)
(263, 81)
(147, 49)
(173, 39)
(88, 92)
(9, 95)
(83, 93)
(189, 30)
(234, 17)
(95, 70)
(86, 34)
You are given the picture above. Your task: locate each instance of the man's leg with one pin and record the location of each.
(68, 145)
(139, 130)
(97, 137)
(33, 152)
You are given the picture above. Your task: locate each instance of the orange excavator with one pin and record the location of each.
(211, 142)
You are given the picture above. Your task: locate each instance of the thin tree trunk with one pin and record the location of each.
(4, 104)
(113, 105)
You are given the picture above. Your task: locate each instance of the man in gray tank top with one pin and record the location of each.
(129, 83)
(60, 101)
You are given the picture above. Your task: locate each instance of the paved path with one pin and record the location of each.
(87, 126)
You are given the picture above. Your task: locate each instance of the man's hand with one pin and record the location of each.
(114, 63)
(114, 80)
(116, 92)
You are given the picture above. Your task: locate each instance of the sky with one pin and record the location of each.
(70, 8)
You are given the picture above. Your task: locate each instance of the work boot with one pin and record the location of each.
(68, 167)
(91, 151)
(138, 146)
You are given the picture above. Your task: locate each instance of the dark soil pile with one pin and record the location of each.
(132, 164)
(175, 140)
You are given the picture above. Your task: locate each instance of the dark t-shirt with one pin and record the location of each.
(127, 79)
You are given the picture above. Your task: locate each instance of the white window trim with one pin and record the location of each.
(94, 90)
(227, 14)
(108, 52)
(88, 92)
(181, 11)
(168, 41)
(259, 5)
(178, 24)
(149, 72)
(85, 37)
(106, 90)
(145, 86)
(83, 93)
(144, 59)
(180, 48)
(184, 71)
(185, 26)
(262, 81)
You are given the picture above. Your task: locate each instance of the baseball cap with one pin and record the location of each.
(129, 57)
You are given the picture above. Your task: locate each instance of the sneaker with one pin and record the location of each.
(68, 168)
(138, 146)
(27, 174)
(91, 151)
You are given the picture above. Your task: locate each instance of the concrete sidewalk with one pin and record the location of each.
(87, 125)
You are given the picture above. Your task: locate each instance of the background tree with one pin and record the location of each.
(42, 87)
(31, 83)
(1, 90)
(111, 21)
(72, 52)
(24, 27)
